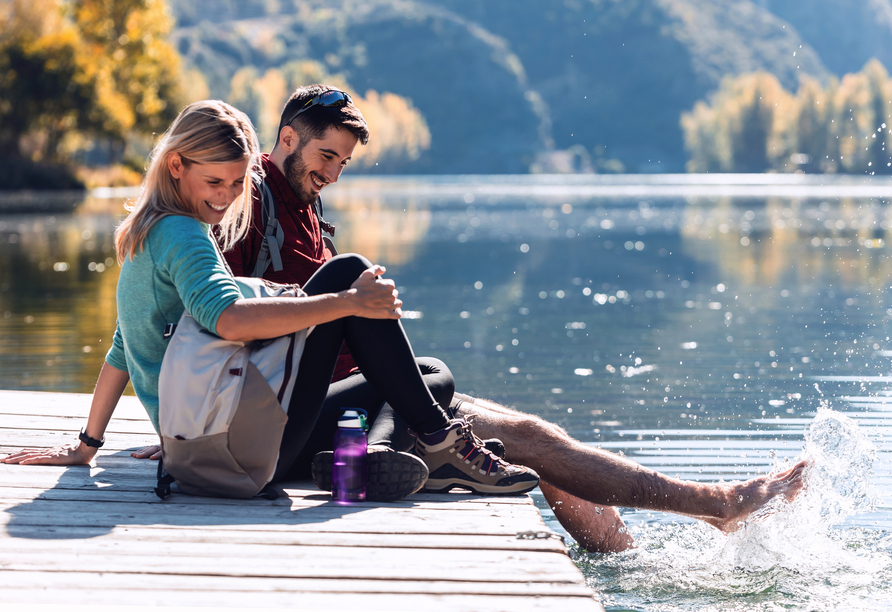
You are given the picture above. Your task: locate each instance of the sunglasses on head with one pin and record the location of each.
(333, 98)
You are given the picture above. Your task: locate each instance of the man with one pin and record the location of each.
(581, 483)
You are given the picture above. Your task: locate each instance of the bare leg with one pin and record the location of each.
(595, 528)
(603, 478)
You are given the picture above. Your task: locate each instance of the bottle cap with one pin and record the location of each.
(353, 418)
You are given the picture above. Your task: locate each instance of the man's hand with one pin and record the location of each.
(152, 452)
(376, 298)
(63, 455)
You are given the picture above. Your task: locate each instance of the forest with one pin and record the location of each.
(459, 86)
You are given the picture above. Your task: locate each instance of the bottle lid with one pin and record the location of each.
(353, 418)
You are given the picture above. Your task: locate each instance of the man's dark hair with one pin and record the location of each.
(312, 124)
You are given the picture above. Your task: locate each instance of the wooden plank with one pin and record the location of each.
(77, 580)
(74, 424)
(333, 518)
(293, 498)
(64, 404)
(269, 560)
(334, 601)
(98, 534)
(24, 438)
(132, 535)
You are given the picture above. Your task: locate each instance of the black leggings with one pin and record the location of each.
(387, 427)
(380, 349)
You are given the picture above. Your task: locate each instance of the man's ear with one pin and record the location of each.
(289, 139)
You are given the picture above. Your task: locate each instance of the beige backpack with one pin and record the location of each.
(222, 404)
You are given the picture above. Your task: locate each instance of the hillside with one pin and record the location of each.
(505, 84)
(844, 33)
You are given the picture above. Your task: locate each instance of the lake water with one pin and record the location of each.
(708, 327)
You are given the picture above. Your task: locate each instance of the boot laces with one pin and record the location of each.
(468, 434)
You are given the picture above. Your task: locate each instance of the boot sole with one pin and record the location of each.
(392, 475)
(444, 485)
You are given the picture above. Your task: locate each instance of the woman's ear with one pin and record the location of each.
(175, 165)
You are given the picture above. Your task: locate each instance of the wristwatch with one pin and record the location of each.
(83, 437)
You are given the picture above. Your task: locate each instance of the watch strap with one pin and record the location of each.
(83, 437)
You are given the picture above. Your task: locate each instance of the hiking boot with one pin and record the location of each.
(495, 446)
(456, 458)
(392, 475)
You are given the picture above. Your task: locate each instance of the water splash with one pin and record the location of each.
(790, 555)
(799, 536)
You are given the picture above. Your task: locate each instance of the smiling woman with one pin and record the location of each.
(208, 189)
(172, 270)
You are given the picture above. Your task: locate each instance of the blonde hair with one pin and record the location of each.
(207, 132)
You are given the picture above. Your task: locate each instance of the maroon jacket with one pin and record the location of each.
(303, 251)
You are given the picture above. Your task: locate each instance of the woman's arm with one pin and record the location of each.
(109, 389)
(255, 318)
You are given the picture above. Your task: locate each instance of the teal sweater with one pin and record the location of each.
(178, 268)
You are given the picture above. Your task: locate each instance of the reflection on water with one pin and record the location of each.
(57, 297)
(699, 335)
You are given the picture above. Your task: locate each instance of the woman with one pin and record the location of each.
(169, 262)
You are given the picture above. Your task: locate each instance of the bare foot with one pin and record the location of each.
(744, 498)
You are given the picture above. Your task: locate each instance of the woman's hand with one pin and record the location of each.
(152, 452)
(376, 298)
(63, 455)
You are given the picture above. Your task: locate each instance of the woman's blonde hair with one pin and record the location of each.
(207, 132)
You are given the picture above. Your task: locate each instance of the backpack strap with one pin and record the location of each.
(162, 490)
(273, 235)
(324, 225)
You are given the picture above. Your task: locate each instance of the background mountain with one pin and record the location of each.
(510, 86)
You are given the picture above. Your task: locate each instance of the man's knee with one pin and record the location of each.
(337, 274)
(348, 265)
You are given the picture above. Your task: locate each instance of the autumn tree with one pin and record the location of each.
(738, 131)
(399, 132)
(96, 68)
(751, 124)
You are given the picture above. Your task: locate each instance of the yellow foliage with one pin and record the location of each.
(752, 124)
(100, 67)
(398, 130)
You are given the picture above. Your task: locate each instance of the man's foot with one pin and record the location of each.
(456, 458)
(392, 475)
(744, 498)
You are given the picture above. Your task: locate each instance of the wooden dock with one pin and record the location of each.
(97, 536)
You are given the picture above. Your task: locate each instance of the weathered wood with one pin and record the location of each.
(41, 423)
(442, 600)
(161, 533)
(98, 534)
(148, 582)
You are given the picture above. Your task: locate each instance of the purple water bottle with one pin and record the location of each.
(349, 473)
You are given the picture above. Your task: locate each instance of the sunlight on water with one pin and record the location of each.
(790, 554)
(696, 331)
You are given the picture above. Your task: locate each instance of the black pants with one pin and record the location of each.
(380, 349)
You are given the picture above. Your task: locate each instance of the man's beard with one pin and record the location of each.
(295, 173)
